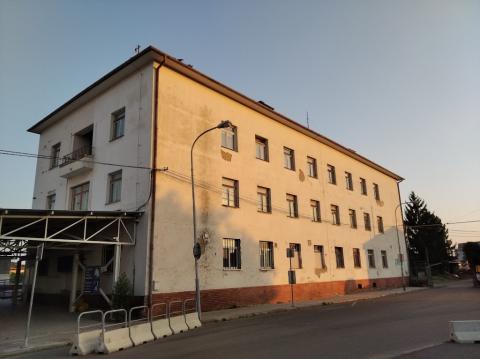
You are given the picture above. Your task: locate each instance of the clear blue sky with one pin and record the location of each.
(398, 81)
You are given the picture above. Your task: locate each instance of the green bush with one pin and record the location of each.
(122, 293)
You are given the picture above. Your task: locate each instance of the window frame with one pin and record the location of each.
(315, 208)
(259, 140)
(82, 195)
(339, 260)
(266, 255)
(371, 259)
(352, 214)
(320, 250)
(381, 228)
(384, 256)
(118, 116)
(332, 175)
(357, 260)
(296, 248)
(289, 153)
(293, 200)
(49, 201)
(232, 129)
(363, 186)
(335, 212)
(312, 167)
(230, 250)
(348, 181)
(111, 181)
(55, 155)
(267, 195)
(235, 187)
(367, 221)
(376, 191)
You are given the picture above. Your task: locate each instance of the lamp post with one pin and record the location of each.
(196, 245)
(398, 241)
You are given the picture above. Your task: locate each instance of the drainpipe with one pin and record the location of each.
(153, 180)
(404, 231)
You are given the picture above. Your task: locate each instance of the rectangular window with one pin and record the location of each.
(292, 205)
(349, 181)
(376, 192)
(384, 259)
(289, 158)
(55, 156)
(380, 224)
(266, 255)
(366, 220)
(231, 253)
(297, 255)
(339, 257)
(371, 258)
(353, 218)
(356, 258)
(261, 148)
(115, 187)
(51, 201)
(315, 207)
(79, 201)
(118, 124)
(335, 214)
(229, 192)
(319, 257)
(229, 138)
(332, 177)
(263, 200)
(363, 186)
(312, 167)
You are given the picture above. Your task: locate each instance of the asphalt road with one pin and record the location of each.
(412, 325)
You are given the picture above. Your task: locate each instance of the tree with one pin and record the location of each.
(122, 293)
(472, 253)
(426, 234)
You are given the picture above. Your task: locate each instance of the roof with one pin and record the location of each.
(151, 54)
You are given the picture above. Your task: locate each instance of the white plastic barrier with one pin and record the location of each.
(465, 331)
(86, 342)
(177, 318)
(191, 315)
(113, 340)
(140, 329)
(160, 324)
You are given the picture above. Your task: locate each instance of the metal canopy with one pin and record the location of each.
(18, 227)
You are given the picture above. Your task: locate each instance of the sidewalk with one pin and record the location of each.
(52, 327)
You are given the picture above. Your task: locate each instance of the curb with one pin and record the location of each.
(37, 348)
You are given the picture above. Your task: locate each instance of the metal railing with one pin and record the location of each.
(76, 155)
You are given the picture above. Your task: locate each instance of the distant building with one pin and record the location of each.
(266, 185)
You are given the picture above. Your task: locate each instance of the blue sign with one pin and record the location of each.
(91, 285)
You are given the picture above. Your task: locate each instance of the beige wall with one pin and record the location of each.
(185, 110)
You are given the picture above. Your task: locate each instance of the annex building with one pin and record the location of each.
(264, 185)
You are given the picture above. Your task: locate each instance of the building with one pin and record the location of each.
(263, 186)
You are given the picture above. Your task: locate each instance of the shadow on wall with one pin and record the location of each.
(174, 263)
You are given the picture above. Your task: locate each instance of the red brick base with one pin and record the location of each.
(214, 299)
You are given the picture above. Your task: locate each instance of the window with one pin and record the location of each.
(380, 224)
(356, 258)
(292, 205)
(108, 252)
(363, 186)
(231, 253)
(297, 255)
(339, 257)
(348, 181)
(80, 197)
(371, 258)
(118, 124)
(353, 218)
(384, 259)
(229, 192)
(266, 255)
(115, 187)
(264, 201)
(229, 138)
(332, 177)
(315, 206)
(376, 192)
(51, 201)
(335, 214)
(366, 219)
(319, 257)
(312, 167)
(55, 156)
(289, 158)
(261, 148)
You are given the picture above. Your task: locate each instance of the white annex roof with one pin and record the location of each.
(19, 227)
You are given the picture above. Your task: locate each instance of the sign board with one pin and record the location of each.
(91, 285)
(292, 279)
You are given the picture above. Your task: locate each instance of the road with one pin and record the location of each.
(412, 325)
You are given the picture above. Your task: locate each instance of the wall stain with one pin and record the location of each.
(226, 156)
(301, 176)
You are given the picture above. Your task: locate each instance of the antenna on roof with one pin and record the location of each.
(308, 122)
(137, 49)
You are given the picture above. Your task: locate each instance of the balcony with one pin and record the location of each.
(77, 162)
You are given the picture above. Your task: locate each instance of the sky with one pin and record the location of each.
(397, 81)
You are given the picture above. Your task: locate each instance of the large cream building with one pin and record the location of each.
(263, 186)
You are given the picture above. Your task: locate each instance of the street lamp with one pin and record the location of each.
(196, 245)
(398, 241)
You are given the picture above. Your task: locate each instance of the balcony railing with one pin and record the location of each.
(76, 155)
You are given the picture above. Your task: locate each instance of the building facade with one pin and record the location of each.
(263, 186)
